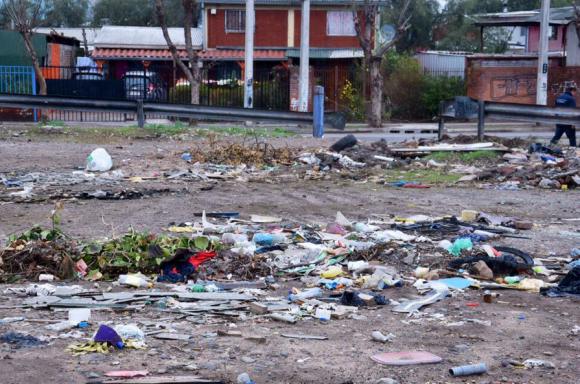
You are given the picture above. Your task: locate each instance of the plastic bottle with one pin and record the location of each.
(305, 295)
(244, 378)
(268, 238)
(331, 272)
(513, 279)
(45, 277)
(234, 238)
(197, 288)
(362, 227)
(134, 281)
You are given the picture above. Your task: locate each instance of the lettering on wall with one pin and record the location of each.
(518, 86)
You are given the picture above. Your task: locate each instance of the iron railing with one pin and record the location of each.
(142, 108)
(465, 107)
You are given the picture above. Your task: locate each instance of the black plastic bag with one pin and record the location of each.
(569, 286)
(351, 298)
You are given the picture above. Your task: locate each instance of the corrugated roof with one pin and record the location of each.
(144, 37)
(164, 54)
(328, 53)
(76, 33)
(284, 2)
(558, 16)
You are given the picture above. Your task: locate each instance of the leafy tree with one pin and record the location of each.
(64, 13)
(424, 15)
(455, 30)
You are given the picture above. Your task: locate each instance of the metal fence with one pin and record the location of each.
(220, 86)
(142, 108)
(20, 80)
(444, 73)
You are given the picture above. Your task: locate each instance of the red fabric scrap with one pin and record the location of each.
(200, 257)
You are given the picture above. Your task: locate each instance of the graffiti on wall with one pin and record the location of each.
(518, 86)
(560, 87)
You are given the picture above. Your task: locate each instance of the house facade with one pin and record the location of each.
(277, 32)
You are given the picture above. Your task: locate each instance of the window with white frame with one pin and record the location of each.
(235, 20)
(340, 23)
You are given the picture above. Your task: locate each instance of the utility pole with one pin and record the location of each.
(304, 56)
(249, 56)
(542, 82)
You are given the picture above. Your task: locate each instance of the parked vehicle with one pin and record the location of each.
(144, 85)
(87, 76)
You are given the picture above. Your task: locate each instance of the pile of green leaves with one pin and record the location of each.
(37, 233)
(138, 251)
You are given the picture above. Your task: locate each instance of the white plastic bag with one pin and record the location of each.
(99, 160)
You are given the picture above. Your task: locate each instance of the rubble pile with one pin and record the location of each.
(38, 252)
(249, 152)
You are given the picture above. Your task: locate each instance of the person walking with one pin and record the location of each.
(566, 100)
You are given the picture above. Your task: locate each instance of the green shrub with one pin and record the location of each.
(412, 95)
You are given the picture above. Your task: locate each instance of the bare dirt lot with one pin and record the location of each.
(524, 325)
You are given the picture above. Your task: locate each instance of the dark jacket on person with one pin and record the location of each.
(566, 100)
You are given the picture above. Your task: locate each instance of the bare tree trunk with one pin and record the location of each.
(85, 43)
(26, 36)
(170, 45)
(374, 54)
(376, 115)
(189, 9)
(195, 86)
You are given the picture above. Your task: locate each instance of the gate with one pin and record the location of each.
(21, 80)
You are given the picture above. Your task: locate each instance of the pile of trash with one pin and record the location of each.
(249, 152)
(535, 166)
(223, 267)
(38, 252)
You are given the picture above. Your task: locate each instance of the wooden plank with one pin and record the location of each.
(304, 337)
(217, 296)
(173, 336)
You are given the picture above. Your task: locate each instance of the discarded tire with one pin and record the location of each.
(344, 143)
(511, 258)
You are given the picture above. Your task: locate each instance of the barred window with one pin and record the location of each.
(235, 20)
(340, 23)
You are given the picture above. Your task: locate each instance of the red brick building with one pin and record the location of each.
(334, 47)
(333, 40)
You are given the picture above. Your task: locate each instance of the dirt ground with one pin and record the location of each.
(523, 325)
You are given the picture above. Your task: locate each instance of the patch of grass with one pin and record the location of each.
(54, 123)
(463, 157)
(108, 134)
(243, 131)
(478, 155)
(426, 176)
